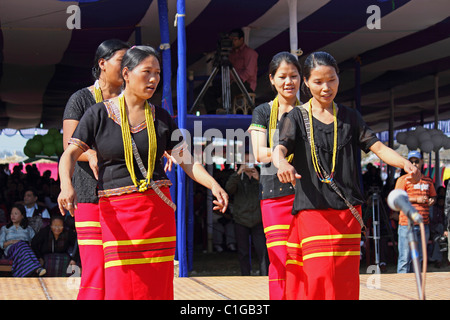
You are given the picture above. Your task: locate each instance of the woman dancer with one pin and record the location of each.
(108, 84)
(276, 198)
(15, 239)
(136, 213)
(324, 237)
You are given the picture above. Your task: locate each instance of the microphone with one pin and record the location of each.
(398, 200)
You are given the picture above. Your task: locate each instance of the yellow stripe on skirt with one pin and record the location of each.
(323, 254)
(139, 240)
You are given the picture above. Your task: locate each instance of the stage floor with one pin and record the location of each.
(373, 287)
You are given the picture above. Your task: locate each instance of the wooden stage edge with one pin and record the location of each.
(373, 287)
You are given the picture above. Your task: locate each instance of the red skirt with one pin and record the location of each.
(89, 235)
(139, 240)
(277, 217)
(323, 255)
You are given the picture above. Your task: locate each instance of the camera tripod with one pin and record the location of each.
(222, 61)
(375, 208)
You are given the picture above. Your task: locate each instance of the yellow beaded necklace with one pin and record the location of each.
(142, 185)
(97, 92)
(273, 123)
(315, 159)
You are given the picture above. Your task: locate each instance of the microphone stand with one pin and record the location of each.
(415, 257)
(413, 217)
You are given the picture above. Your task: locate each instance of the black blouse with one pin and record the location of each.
(100, 128)
(353, 135)
(270, 185)
(83, 179)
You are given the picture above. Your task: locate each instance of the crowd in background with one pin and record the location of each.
(48, 239)
(14, 186)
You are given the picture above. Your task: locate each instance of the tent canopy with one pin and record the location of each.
(42, 61)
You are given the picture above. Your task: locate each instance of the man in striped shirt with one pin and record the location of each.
(422, 196)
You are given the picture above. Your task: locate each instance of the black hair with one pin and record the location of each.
(279, 58)
(56, 217)
(238, 31)
(21, 208)
(106, 50)
(33, 191)
(136, 54)
(315, 59)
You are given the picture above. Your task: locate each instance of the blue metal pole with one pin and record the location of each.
(181, 111)
(166, 56)
(166, 101)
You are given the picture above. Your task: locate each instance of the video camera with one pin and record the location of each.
(225, 45)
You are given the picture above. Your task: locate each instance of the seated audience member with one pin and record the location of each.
(15, 240)
(55, 247)
(37, 214)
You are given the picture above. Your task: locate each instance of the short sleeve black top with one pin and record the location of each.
(100, 128)
(83, 179)
(270, 185)
(353, 135)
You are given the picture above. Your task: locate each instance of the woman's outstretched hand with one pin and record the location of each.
(221, 204)
(287, 173)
